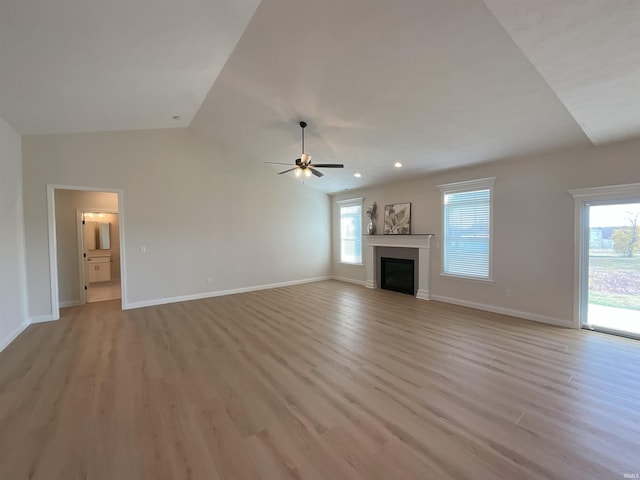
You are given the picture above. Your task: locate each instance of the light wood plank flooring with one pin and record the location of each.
(102, 291)
(317, 381)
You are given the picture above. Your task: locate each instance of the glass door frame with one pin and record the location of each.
(585, 198)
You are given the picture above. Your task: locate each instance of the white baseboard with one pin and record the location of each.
(506, 311)
(348, 280)
(220, 293)
(42, 319)
(423, 294)
(70, 303)
(4, 343)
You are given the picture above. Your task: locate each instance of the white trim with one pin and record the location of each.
(354, 201)
(467, 278)
(423, 294)
(362, 283)
(13, 335)
(399, 241)
(42, 319)
(506, 311)
(53, 248)
(580, 274)
(421, 242)
(609, 191)
(71, 303)
(584, 197)
(123, 276)
(81, 262)
(478, 184)
(220, 293)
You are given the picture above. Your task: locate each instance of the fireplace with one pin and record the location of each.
(397, 274)
(376, 246)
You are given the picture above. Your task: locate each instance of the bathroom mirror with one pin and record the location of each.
(104, 240)
(99, 235)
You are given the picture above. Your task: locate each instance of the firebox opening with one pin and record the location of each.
(397, 274)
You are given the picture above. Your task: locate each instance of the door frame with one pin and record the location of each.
(81, 258)
(583, 198)
(53, 247)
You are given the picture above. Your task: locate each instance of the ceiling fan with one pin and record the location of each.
(303, 164)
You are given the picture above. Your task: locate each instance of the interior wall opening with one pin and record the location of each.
(86, 246)
(100, 256)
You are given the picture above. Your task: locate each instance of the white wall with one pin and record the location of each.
(533, 226)
(66, 203)
(198, 211)
(13, 318)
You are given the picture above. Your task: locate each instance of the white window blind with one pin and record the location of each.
(467, 230)
(351, 231)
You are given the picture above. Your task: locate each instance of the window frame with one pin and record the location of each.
(468, 186)
(350, 202)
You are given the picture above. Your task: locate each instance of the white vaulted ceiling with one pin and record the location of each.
(588, 51)
(93, 65)
(435, 84)
(432, 84)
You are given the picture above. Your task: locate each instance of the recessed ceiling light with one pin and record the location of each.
(397, 164)
(176, 117)
(357, 175)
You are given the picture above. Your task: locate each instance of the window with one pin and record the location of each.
(467, 228)
(351, 231)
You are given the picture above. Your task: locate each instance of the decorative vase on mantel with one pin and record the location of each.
(372, 213)
(371, 228)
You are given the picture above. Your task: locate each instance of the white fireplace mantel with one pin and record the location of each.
(421, 242)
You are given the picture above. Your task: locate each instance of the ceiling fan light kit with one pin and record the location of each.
(303, 166)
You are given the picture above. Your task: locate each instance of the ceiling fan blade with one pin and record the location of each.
(291, 169)
(328, 165)
(315, 172)
(278, 163)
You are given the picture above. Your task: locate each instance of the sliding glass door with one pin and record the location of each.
(612, 267)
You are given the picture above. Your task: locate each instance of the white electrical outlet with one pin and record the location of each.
(209, 280)
(143, 249)
(508, 292)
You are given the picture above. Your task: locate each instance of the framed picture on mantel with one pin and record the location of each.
(397, 219)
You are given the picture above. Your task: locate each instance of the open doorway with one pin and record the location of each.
(99, 255)
(612, 260)
(74, 245)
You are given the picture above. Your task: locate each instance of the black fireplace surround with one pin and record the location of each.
(397, 274)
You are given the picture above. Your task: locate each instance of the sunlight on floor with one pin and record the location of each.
(611, 318)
